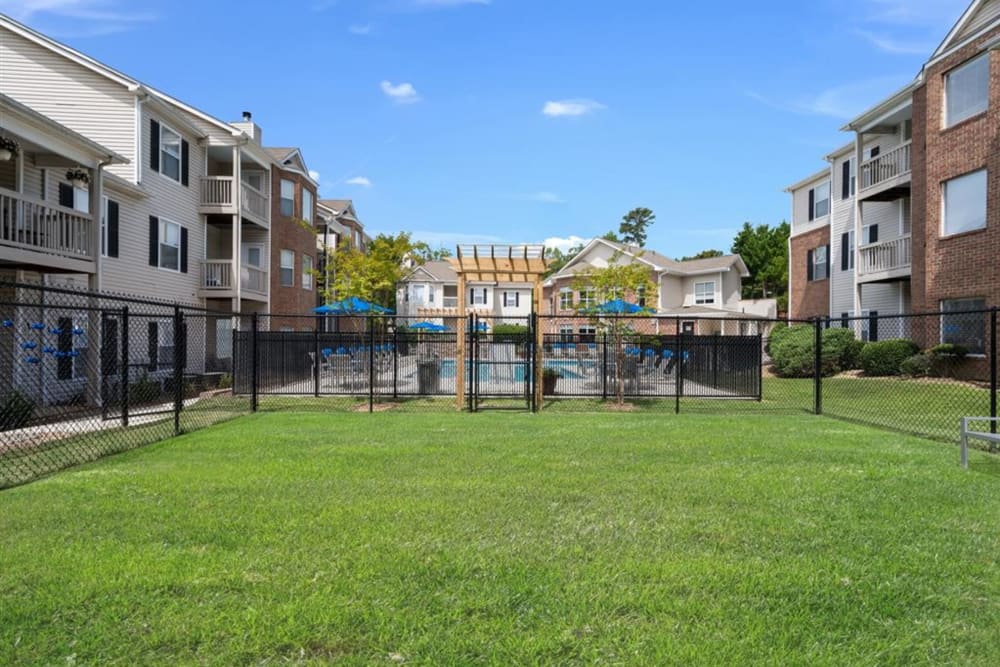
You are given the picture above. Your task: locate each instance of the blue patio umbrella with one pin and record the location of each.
(482, 326)
(428, 326)
(618, 307)
(352, 306)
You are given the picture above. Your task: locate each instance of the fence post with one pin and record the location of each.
(371, 363)
(317, 361)
(678, 367)
(530, 376)
(179, 343)
(125, 367)
(760, 365)
(254, 330)
(395, 359)
(604, 366)
(993, 369)
(818, 367)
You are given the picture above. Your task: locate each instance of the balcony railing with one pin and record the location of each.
(41, 226)
(882, 168)
(449, 302)
(217, 274)
(217, 193)
(885, 256)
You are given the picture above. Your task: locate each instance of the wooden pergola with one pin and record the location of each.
(498, 264)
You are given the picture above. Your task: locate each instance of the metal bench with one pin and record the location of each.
(978, 435)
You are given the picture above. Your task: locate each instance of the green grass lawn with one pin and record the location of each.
(508, 539)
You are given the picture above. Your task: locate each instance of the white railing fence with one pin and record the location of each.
(884, 167)
(30, 223)
(886, 255)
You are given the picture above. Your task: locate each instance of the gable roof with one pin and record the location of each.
(967, 20)
(658, 262)
(439, 271)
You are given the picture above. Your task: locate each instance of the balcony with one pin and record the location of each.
(885, 261)
(886, 177)
(217, 196)
(36, 232)
(217, 281)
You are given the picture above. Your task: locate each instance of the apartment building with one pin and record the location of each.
(293, 239)
(430, 293)
(703, 296)
(916, 227)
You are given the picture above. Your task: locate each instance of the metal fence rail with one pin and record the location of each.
(83, 375)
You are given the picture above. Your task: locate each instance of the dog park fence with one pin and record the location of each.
(86, 374)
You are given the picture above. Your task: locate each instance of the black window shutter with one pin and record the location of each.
(875, 151)
(66, 195)
(873, 326)
(64, 362)
(154, 145)
(812, 204)
(517, 299)
(810, 268)
(185, 152)
(845, 185)
(873, 234)
(472, 295)
(154, 241)
(152, 343)
(184, 250)
(845, 249)
(843, 319)
(112, 228)
(484, 296)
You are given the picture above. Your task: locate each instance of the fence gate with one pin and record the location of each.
(501, 364)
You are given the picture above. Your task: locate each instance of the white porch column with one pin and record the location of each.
(859, 151)
(237, 233)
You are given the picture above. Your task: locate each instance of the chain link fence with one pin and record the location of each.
(86, 375)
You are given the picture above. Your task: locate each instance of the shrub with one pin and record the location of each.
(780, 330)
(510, 333)
(793, 351)
(225, 381)
(844, 347)
(16, 411)
(146, 390)
(887, 356)
(948, 350)
(917, 366)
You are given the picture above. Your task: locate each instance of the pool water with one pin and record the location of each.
(568, 368)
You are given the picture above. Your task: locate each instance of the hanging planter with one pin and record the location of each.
(78, 178)
(8, 149)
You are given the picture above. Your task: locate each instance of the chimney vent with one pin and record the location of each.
(247, 116)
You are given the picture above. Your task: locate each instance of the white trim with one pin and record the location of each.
(159, 242)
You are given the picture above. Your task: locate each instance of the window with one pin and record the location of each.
(869, 234)
(641, 296)
(81, 200)
(160, 344)
(847, 251)
(307, 206)
(819, 201)
(964, 204)
(104, 226)
(287, 198)
(170, 153)
(704, 292)
(307, 276)
(818, 265)
(565, 299)
(478, 296)
(288, 268)
(963, 328)
(170, 245)
(566, 334)
(848, 179)
(588, 298)
(511, 299)
(966, 90)
(417, 294)
(588, 334)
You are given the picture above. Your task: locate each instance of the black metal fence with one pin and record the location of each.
(85, 375)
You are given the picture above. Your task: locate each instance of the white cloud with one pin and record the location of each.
(449, 239)
(89, 17)
(313, 174)
(448, 3)
(359, 29)
(575, 107)
(843, 102)
(546, 198)
(403, 93)
(359, 180)
(891, 45)
(564, 244)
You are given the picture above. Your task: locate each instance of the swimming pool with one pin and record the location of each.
(496, 369)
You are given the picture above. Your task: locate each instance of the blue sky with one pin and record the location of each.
(525, 120)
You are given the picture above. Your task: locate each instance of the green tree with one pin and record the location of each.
(634, 226)
(704, 254)
(619, 279)
(372, 276)
(611, 236)
(764, 250)
(557, 259)
(424, 253)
